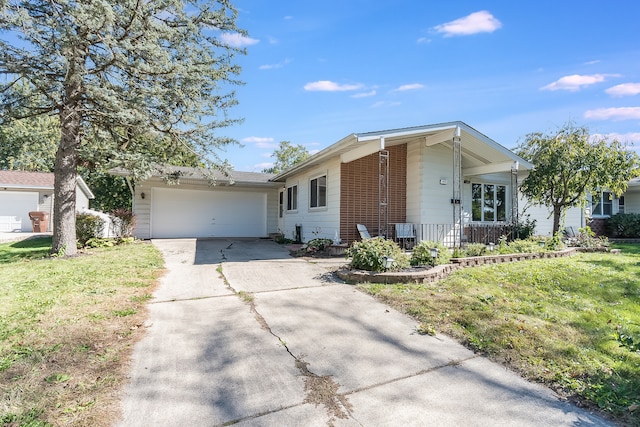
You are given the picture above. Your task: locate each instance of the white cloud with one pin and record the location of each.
(616, 114)
(575, 82)
(329, 86)
(630, 138)
(625, 89)
(364, 94)
(288, 17)
(385, 104)
(477, 22)
(274, 66)
(423, 40)
(412, 86)
(237, 40)
(260, 142)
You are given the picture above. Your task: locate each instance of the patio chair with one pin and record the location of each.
(405, 233)
(362, 230)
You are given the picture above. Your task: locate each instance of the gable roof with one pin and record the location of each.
(36, 181)
(22, 179)
(479, 151)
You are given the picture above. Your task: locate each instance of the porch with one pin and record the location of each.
(449, 234)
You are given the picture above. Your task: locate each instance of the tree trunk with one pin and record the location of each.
(66, 173)
(557, 211)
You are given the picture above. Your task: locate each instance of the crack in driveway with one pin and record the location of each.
(319, 389)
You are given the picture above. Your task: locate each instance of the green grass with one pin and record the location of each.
(556, 321)
(67, 326)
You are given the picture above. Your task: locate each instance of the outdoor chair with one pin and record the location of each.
(362, 230)
(405, 233)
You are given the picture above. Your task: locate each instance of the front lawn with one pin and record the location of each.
(572, 323)
(67, 327)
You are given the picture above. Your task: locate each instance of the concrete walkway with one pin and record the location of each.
(240, 333)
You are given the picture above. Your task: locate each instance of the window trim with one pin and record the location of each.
(600, 203)
(318, 192)
(496, 207)
(292, 198)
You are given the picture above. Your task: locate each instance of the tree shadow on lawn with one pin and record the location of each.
(34, 248)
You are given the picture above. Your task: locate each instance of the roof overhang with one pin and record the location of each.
(481, 154)
(189, 175)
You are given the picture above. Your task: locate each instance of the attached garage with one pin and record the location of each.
(192, 204)
(14, 210)
(195, 213)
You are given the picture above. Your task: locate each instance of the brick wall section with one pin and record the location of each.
(599, 226)
(359, 192)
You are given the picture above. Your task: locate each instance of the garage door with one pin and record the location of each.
(219, 213)
(14, 210)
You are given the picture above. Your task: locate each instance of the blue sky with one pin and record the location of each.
(318, 71)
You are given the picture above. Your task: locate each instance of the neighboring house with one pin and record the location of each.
(598, 208)
(243, 205)
(448, 179)
(24, 192)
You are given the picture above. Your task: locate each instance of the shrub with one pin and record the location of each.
(369, 254)
(524, 229)
(475, 249)
(422, 253)
(587, 239)
(123, 222)
(88, 227)
(317, 245)
(526, 246)
(624, 225)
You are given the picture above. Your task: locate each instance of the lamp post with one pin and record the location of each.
(434, 253)
(387, 262)
(491, 247)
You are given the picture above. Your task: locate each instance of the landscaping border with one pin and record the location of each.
(427, 275)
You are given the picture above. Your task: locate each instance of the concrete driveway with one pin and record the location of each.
(240, 333)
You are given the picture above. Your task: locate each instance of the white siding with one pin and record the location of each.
(544, 219)
(435, 198)
(415, 167)
(632, 201)
(318, 222)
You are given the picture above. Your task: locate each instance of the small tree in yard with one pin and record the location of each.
(113, 71)
(569, 164)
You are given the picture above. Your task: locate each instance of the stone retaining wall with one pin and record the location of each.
(438, 272)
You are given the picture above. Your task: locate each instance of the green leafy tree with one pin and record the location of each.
(29, 144)
(119, 69)
(287, 155)
(569, 164)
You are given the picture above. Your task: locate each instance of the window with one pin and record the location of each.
(318, 192)
(602, 205)
(280, 204)
(621, 205)
(292, 198)
(488, 202)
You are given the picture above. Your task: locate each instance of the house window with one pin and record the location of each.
(488, 202)
(621, 205)
(318, 192)
(602, 205)
(292, 198)
(280, 204)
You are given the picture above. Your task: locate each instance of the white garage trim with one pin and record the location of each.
(215, 213)
(14, 210)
